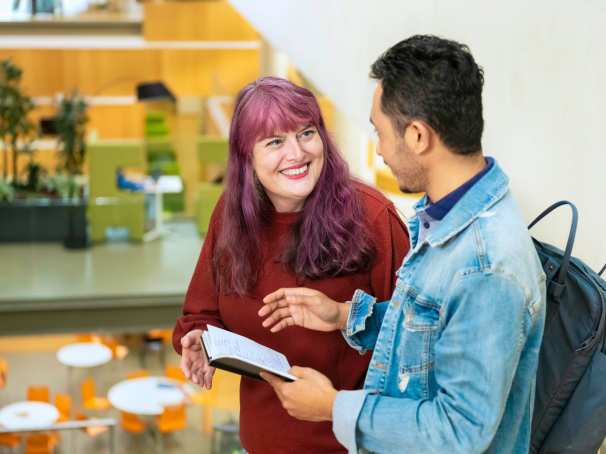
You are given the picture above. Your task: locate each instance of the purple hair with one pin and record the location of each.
(330, 239)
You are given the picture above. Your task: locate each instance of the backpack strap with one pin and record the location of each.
(559, 283)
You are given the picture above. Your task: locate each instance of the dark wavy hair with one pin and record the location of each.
(330, 239)
(435, 80)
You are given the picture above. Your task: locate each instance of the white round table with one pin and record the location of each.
(28, 415)
(146, 395)
(84, 354)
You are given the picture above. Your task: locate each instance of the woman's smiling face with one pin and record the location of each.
(288, 165)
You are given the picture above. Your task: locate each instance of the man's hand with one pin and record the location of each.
(303, 307)
(309, 398)
(193, 360)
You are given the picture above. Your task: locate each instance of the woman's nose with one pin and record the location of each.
(294, 150)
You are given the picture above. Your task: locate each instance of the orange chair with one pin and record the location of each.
(131, 423)
(119, 351)
(139, 373)
(9, 440)
(89, 399)
(38, 393)
(3, 372)
(175, 373)
(40, 444)
(172, 419)
(86, 337)
(63, 402)
(165, 334)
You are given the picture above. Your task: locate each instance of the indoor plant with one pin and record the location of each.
(16, 130)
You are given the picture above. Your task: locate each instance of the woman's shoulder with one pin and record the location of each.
(372, 199)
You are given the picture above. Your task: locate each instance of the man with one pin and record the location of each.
(456, 348)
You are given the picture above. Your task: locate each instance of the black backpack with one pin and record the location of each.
(570, 402)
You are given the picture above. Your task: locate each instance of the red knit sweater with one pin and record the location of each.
(265, 427)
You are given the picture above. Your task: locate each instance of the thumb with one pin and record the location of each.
(299, 372)
(187, 340)
(270, 378)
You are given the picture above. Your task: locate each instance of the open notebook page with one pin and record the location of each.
(226, 343)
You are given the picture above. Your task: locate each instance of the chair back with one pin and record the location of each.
(38, 393)
(39, 444)
(172, 418)
(175, 373)
(3, 372)
(131, 423)
(88, 389)
(63, 402)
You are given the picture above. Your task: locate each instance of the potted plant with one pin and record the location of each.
(16, 130)
(71, 122)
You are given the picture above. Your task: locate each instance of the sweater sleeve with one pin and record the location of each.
(201, 306)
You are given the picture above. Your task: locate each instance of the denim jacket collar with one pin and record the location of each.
(480, 197)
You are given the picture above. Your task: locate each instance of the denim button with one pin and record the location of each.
(426, 225)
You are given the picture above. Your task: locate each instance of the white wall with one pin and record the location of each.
(545, 91)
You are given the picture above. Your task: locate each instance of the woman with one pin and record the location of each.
(290, 216)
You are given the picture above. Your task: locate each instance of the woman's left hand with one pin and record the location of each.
(309, 398)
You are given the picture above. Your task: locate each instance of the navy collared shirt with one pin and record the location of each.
(436, 211)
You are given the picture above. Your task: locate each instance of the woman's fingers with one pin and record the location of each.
(186, 367)
(208, 377)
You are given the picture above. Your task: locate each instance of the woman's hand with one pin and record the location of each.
(303, 307)
(193, 360)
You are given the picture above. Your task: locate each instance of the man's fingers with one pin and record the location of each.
(275, 296)
(299, 372)
(283, 324)
(285, 292)
(274, 381)
(276, 316)
(270, 307)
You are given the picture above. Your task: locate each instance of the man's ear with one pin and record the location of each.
(418, 137)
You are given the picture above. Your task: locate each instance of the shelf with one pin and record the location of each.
(125, 42)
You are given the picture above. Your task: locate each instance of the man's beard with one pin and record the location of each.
(411, 175)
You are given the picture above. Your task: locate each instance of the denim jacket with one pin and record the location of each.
(457, 346)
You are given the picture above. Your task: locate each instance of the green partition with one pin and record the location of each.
(211, 150)
(108, 205)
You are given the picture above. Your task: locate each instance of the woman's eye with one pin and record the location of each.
(308, 133)
(274, 143)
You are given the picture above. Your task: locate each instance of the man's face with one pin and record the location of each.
(392, 147)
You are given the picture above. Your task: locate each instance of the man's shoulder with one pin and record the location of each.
(502, 243)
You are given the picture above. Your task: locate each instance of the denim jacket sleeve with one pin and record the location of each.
(364, 321)
(483, 327)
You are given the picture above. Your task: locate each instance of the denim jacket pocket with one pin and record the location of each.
(420, 328)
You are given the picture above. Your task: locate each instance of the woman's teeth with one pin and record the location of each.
(296, 171)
